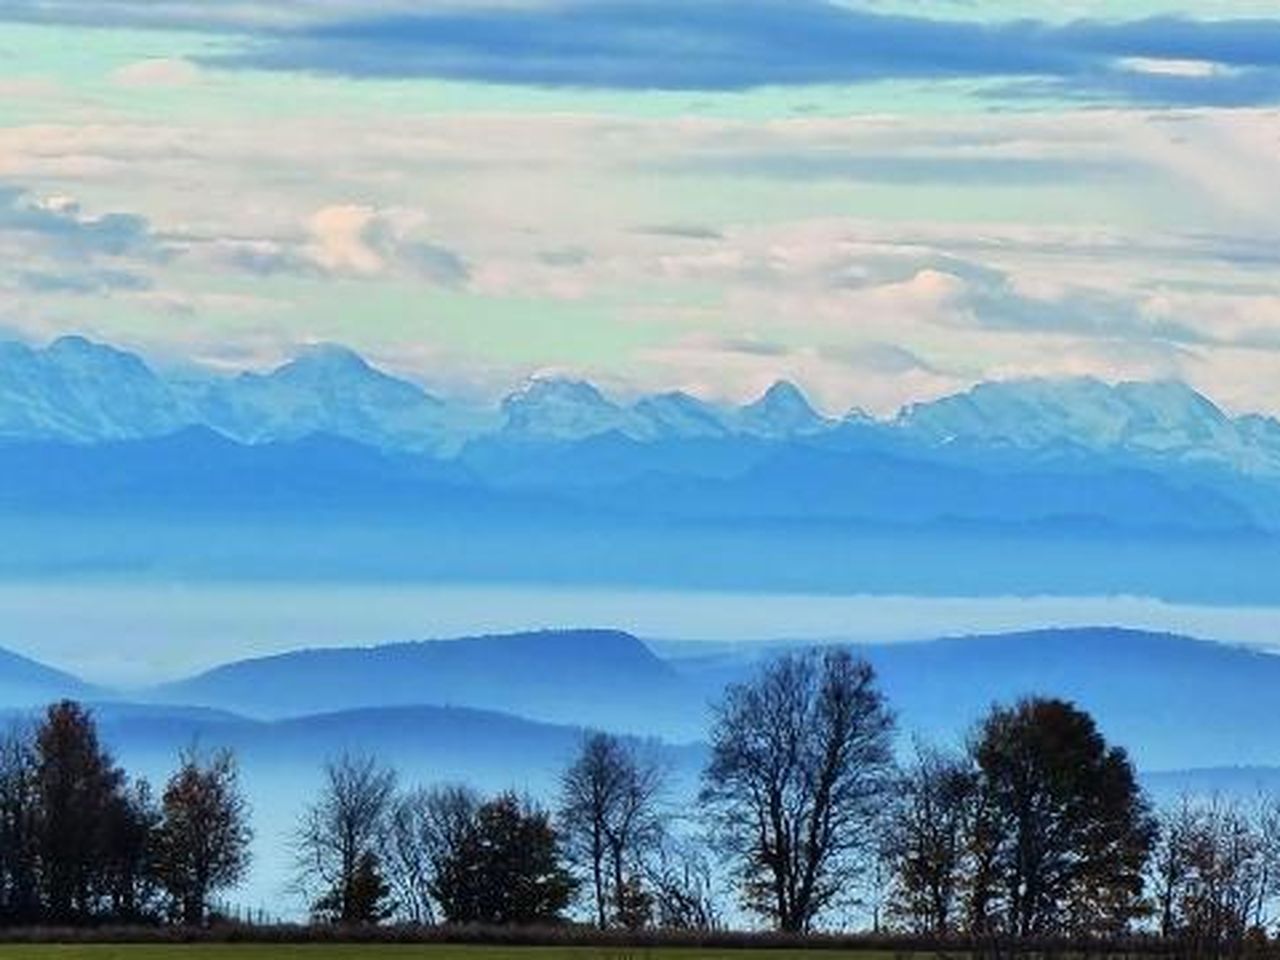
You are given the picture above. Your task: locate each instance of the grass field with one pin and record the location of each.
(407, 952)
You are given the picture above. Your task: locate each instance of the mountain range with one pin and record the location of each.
(78, 390)
(328, 468)
(1142, 686)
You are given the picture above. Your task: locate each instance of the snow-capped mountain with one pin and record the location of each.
(1164, 419)
(782, 411)
(325, 389)
(678, 414)
(565, 410)
(83, 392)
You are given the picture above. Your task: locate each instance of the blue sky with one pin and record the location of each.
(884, 201)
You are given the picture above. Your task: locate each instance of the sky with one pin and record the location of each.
(882, 201)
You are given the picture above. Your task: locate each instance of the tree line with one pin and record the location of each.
(1037, 828)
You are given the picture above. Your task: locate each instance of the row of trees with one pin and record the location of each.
(1037, 828)
(80, 843)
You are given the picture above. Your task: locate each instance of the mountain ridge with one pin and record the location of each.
(82, 391)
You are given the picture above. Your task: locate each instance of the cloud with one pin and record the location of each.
(64, 230)
(953, 170)
(51, 246)
(362, 240)
(740, 44)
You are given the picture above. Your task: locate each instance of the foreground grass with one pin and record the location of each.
(355, 951)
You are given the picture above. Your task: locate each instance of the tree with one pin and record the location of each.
(427, 831)
(204, 835)
(133, 883)
(344, 826)
(365, 899)
(927, 841)
(19, 829)
(800, 760)
(1214, 872)
(76, 784)
(610, 820)
(683, 883)
(1072, 829)
(507, 868)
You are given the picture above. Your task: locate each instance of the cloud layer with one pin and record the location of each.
(740, 44)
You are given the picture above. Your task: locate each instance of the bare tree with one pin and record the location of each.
(427, 828)
(682, 879)
(1170, 866)
(926, 841)
(340, 831)
(204, 836)
(801, 758)
(609, 818)
(1215, 871)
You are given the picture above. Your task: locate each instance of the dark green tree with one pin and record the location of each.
(507, 869)
(1072, 829)
(365, 899)
(132, 875)
(19, 830)
(77, 785)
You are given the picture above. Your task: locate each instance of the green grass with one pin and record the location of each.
(406, 952)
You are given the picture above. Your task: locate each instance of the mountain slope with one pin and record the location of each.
(599, 678)
(28, 683)
(1175, 702)
(325, 389)
(83, 392)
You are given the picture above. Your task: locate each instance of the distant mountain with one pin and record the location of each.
(873, 486)
(680, 415)
(78, 391)
(27, 683)
(564, 410)
(325, 389)
(83, 392)
(1174, 702)
(200, 471)
(600, 678)
(1163, 420)
(782, 412)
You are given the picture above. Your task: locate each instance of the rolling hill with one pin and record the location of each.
(599, 678)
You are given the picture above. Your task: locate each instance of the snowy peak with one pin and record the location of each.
(782, 411)
(1153, 419)
(678, 414)
(81, 391)
(564, 410)
(326, 389)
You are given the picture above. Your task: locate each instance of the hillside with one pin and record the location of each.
(1175, 702)
(27, 683)
(582, 677)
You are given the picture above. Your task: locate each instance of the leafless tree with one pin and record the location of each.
(610, 820)
(800, 762)
(683, 882)
(426, 828)
(927, 841)
(342, 829)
